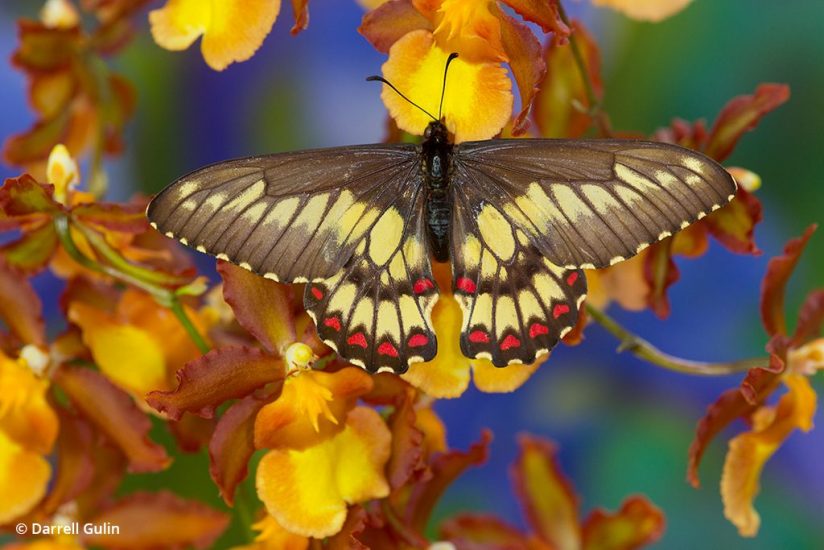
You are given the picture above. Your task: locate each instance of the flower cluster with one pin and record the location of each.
(145, 361)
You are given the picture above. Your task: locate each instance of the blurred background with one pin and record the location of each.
(622, 426)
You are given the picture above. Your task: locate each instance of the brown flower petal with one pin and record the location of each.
(192, 432)
(526, 61)
(545, 13)
(407, 459)
(158, 520)
(636, 524)
(32, 251)
(301, 9)
(123, 218)
(779, 270)
(445, 469)
(387, 23)
(810, 318)
(220, 375)
(20, 307)
(114, 413)
(475, 531)
(742, 114)
(24, 195)
(660, 273)
(261, 306)
(548, 499)
(232, 445)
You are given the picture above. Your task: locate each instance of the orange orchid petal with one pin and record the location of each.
(61, 543)
(307, 491)
(491, 379)
(478, 98)
(471, 29)
(311, 408)
(638, 523)
(807, 359)
(447, 375)
(749, 451)
(272, 536)
(24, 476)
(623, 282)
(232, 31)
(645, 10)
(25, 413)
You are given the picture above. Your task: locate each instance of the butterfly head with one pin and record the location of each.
(436, 133)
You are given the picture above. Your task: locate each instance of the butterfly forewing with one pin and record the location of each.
(593, 203)
(290, 217)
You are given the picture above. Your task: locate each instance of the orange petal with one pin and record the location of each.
(273, 536)
(232, 31)
(470, 28)
(749, 452)
(491, 379)
(447, 375)
(24, 476)
(307, 491)
(638, 523)
(478, 99)
(645, 10)
(312, 407)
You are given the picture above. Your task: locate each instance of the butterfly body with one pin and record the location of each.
(518, 220)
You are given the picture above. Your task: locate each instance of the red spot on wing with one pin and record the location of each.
(387, 349)
(466, 284)
(422, 285)
(317, 293)
(418, 340)
(537, 329)
(332, 322)
(559, 310)
(357, 339)
(572, 278)
(479, 337)
(510, 342)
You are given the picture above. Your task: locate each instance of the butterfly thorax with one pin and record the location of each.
(437, 165)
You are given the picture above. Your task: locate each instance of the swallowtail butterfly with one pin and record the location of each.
(518, 219)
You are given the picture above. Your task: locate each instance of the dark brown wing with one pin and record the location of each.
(592, 203)
(290, 217)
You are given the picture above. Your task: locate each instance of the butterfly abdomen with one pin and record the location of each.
(437, 166)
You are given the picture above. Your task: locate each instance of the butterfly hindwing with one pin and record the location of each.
(591, 204)
(516, 304)
(290, 217)
(376, 311)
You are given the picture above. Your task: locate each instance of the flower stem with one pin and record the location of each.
(599, 118)
(646, 351)
(133, 276)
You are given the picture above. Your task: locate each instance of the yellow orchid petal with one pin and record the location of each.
(491, 379)
(24, 476)
(311, 408)
(478, 98)
(25, 413)
(749, 451)
(645, 10)
(59, 14)
(272, 536)
(469, 28)
(807, 359)
(447, 375)
(307, 491)
(232, 31)
(126, 354)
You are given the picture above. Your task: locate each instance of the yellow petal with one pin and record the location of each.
(62, 172)
(807, 359)
(469, 28)
(25, 413)
(491, 379)
(307, 491)
(232, 31)
(447, 375)
(478, 99)
(645, 10)
(272, 536)
(749, 451)
(59, 14)
(24, 476)
(126, 354)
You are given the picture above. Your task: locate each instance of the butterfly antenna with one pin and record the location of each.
(449, 60)
(381, 79)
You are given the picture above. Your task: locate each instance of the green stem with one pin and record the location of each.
(131, 277)
(595, 111)
(243, 510)
(646, 351)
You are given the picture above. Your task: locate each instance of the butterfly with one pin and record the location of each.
(518, 219)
